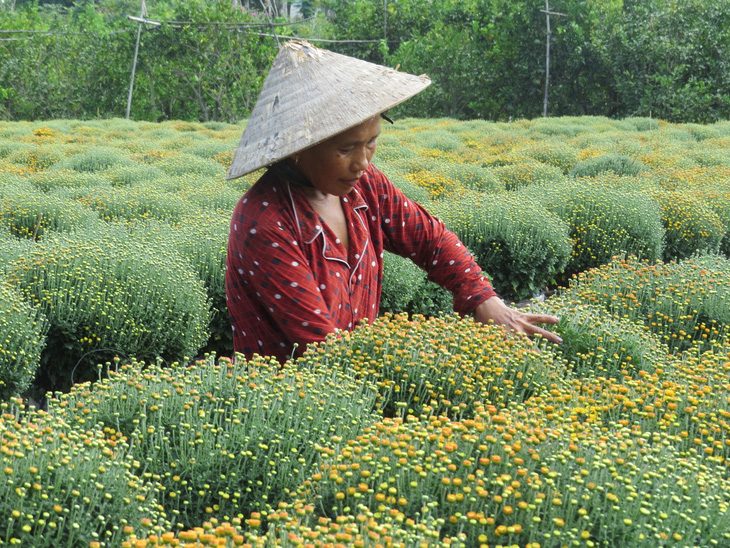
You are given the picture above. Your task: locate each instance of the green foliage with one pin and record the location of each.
(520, 245)
(413, 164)
(474, 177)
(80, 68)
(48, 181)
(717, 196)
(22, 330)
(391, 148)
(16, 131)
(28, 213)
(134, 203)
(94, 160)
(209, 193)
(522, 174)
(190, 164)
(307, 7)
(36, 157)
(402, 280)
(691, 226)
(76, 70)
(482, 57)
(406, 288)
(203, 241)
(11, 248)
(711, 158)
(106, 295)
(596, 343)
(641, 123)
(199, 71)
(702, 132)
(514, 479)
(554, 153)
(673, 67)
(6, 147)
(443, 365)
(618, 164)
(486, 58)
(438, 139)
(431, 300)
(133, 174)
(69, 486)
(560, 127)
(685, 303)
(468, 49)
(208, 148)
(219, 436)
(604, 221)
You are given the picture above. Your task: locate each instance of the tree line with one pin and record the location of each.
(206, 60)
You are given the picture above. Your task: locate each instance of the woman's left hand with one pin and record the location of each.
(496, 310)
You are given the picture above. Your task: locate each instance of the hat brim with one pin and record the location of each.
(311, 95)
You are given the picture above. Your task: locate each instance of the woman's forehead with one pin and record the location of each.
(364, 130)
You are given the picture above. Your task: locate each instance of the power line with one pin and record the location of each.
(314, 39)
(174, 24)
(26, 31)
(56, 32)
(181, 24)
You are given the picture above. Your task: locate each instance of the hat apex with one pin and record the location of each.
(310, 95)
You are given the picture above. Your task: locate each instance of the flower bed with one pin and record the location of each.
(411, 430)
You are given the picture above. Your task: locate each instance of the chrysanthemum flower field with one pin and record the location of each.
(126, 421)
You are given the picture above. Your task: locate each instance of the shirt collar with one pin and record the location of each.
(306, 218)
(310, 225)
(355, 200)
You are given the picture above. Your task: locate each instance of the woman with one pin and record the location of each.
(305, 251)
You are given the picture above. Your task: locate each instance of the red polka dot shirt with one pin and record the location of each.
(290, 281)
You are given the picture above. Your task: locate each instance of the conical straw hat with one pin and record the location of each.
(310, 95)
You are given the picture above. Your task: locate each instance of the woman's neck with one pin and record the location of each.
(318, 197)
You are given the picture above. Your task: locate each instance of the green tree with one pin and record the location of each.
(484, 57)
(306, 7)
(356, 20)
(73, 70)
(580, 80)
(668, 58)
(210, 68)
(664, 58)
(207, 70)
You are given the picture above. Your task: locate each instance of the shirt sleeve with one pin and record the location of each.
(270, 263)
(412, 232)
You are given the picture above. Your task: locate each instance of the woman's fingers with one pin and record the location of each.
(517, 321)
(545, 334)
(541, 318)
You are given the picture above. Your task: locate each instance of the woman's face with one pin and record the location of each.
(335, 165)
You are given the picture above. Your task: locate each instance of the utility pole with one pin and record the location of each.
(142, 14)
(140, 20)
(547, 13)
(270, 16)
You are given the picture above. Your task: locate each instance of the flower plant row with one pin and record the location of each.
(410, 431)
(535, 201)
(334, 448)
